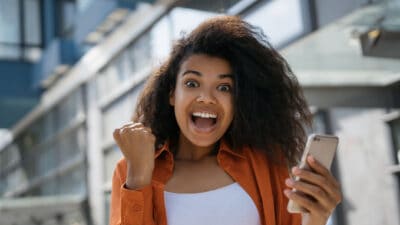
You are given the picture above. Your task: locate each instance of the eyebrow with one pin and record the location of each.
(197, 73)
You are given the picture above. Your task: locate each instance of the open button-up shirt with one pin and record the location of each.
(261, 178)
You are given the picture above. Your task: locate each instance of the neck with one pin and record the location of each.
(187, 151)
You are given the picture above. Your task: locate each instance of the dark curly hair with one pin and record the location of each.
(270, 112)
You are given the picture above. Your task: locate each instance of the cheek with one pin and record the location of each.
(228, 107)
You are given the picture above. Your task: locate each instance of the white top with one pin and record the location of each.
(229, 205)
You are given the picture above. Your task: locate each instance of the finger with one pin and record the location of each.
(305, 202)
(132, 125)
(317, 166)
(325, 180)
(328, 184)
(116, 134)
(313, 191)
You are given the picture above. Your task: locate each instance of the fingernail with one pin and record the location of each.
(287, 192)
(289, 182)
(311, 158)
(295, 170)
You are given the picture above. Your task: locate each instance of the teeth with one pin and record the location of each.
(205, 115)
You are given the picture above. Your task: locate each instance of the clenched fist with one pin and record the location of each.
(137, 144)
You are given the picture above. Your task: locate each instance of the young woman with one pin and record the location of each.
(216, 130)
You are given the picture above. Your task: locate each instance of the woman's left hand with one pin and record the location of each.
(320, 192)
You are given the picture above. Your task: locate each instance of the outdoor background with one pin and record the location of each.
(71, 71)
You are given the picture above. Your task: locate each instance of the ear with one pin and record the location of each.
(172, 98)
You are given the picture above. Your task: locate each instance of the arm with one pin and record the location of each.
(130, 207)
(132, 194)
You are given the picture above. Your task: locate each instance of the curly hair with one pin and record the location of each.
(270, 111)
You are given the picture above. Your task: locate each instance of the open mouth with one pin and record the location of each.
(204, 121)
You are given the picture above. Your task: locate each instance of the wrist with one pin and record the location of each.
(135, 183)
(136, 179)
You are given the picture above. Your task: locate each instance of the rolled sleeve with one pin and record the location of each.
(130, 207)
(135, 205)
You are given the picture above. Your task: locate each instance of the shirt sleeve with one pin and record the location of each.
(130, 207)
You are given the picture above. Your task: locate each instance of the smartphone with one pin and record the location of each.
(323, 148)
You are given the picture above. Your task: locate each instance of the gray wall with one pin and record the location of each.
(364, 155)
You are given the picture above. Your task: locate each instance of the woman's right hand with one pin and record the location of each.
(137, 144)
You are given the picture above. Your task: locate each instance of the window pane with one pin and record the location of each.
(69, 109)
(111, 157)
(73, 182)
(32, 22)
(9, 51)
(47, 159)
(107, 202)
(84, 4)
(68, 14)
(49, 124)
(140, 53)
(280, 20)
(395, 125)
(69, 145)
(119, 112)
(50, 187)
(16, 178)
(9, 21)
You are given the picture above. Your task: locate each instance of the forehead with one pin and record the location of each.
(206, 64)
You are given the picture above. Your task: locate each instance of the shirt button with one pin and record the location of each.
(137, 207)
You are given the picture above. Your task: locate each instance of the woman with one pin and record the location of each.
(216, 129)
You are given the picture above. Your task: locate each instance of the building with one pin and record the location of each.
(78, 66)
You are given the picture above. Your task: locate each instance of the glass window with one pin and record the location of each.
(9, 157)
(209, 5)
(67, 11)
(9, 51)
(50, 187)
(280, 20)
(16, 178)
(69, 109)
(119, 112)
(73, 181)
(84, 4)
(107, 199)
(47, 159)
(32, 24)
(20, 30)
(71, 145)
(49, 125)
(161, 39)
(395, 128)
(28, 155)
(111, 158)
(9, 21)
(139, 53)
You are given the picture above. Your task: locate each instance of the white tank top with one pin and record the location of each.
(229, 205)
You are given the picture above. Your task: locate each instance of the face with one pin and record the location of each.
(203, 99)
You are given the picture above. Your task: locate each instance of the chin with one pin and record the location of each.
(203, 141)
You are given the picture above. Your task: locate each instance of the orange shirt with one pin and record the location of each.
(263, 180)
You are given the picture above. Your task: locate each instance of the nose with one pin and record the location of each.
(206, 97)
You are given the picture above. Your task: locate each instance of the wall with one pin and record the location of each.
(365, 152)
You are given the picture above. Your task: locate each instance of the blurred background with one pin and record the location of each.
(71, 70)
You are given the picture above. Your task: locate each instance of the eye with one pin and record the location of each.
(191, 84)
(224, 88)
